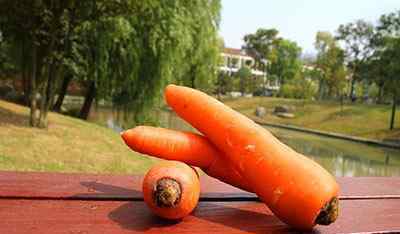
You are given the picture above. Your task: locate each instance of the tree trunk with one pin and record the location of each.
(353, 81)
(341, 104)
(63, 92)
(90, 95)
(24, 73)
(393, 111)
(192, 78)
(43, 99)
(48, 94)
(68, 77)
(380, 94)
(33, 93)
(321, 89)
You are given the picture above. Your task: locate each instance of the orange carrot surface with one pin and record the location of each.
(171, 189)
(186, 147)
(298, 190)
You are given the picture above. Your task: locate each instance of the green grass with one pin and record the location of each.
(68, 145)
(73, 145)
(362, 120)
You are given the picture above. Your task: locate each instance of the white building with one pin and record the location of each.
(234, 59)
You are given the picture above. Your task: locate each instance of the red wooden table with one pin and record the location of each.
(78, 204)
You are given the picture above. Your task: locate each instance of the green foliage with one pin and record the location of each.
(299, 87)
(260, 44)
(284, 60)
(225, 83)
(330, 66)
(129, 49)
(373, 91)
(197, 60)
(358, 39)
(7, 65)
(245, 80)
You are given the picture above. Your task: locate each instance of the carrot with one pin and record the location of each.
(298, 190)
(171, 189)
(186, 147)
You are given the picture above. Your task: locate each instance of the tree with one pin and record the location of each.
(37, 26)
(176, 42)
(204, 50)
(7, 67)
(330, 64)
(41, 29)
(284, 60)
(387, 56)
(244, 75)
(260, 44)
(357, 37)
(301, 87)
(122, 51)
(375, 72)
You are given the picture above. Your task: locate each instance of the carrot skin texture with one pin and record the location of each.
(190, 148)
(189, 183)
(293, 186)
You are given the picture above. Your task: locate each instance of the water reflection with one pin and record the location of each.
(340, 157)
(344, 158)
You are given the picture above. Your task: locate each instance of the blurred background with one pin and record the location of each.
(73, 74)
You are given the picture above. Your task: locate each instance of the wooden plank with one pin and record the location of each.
(80, 186)
(66, 216)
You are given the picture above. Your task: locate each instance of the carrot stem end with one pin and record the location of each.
(167, 192)
(329, 212)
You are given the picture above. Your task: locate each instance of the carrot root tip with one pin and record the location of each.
(329, 212)
(167, 192)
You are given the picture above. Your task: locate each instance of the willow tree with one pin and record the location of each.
(135, 55)
(202, 56)
(122, 51)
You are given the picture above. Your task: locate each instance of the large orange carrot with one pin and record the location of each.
(298, 190)
(186, 147)
(171, 189)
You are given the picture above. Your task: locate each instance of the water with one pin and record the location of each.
(340, 157)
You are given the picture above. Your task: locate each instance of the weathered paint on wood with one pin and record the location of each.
(64, 216)
(80, 186)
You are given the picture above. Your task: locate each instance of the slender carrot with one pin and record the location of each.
(298, 190)
(171, 189)
(186, 147)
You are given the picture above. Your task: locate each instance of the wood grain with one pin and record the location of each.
(65, 216)
(102, 187)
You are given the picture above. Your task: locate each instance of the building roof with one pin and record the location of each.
(233, 51)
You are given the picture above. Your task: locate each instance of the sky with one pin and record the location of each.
(297, 20)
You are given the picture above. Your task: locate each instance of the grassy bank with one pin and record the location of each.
(68, 145)
(369, 121)
(73, 145)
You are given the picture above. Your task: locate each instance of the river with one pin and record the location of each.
(340, 157)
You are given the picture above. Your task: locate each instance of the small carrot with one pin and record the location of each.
(298, 190)
(186, 147)
(171, 189)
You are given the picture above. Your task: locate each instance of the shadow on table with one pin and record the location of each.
(136, 216)
(101, 191)
(208, 216)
